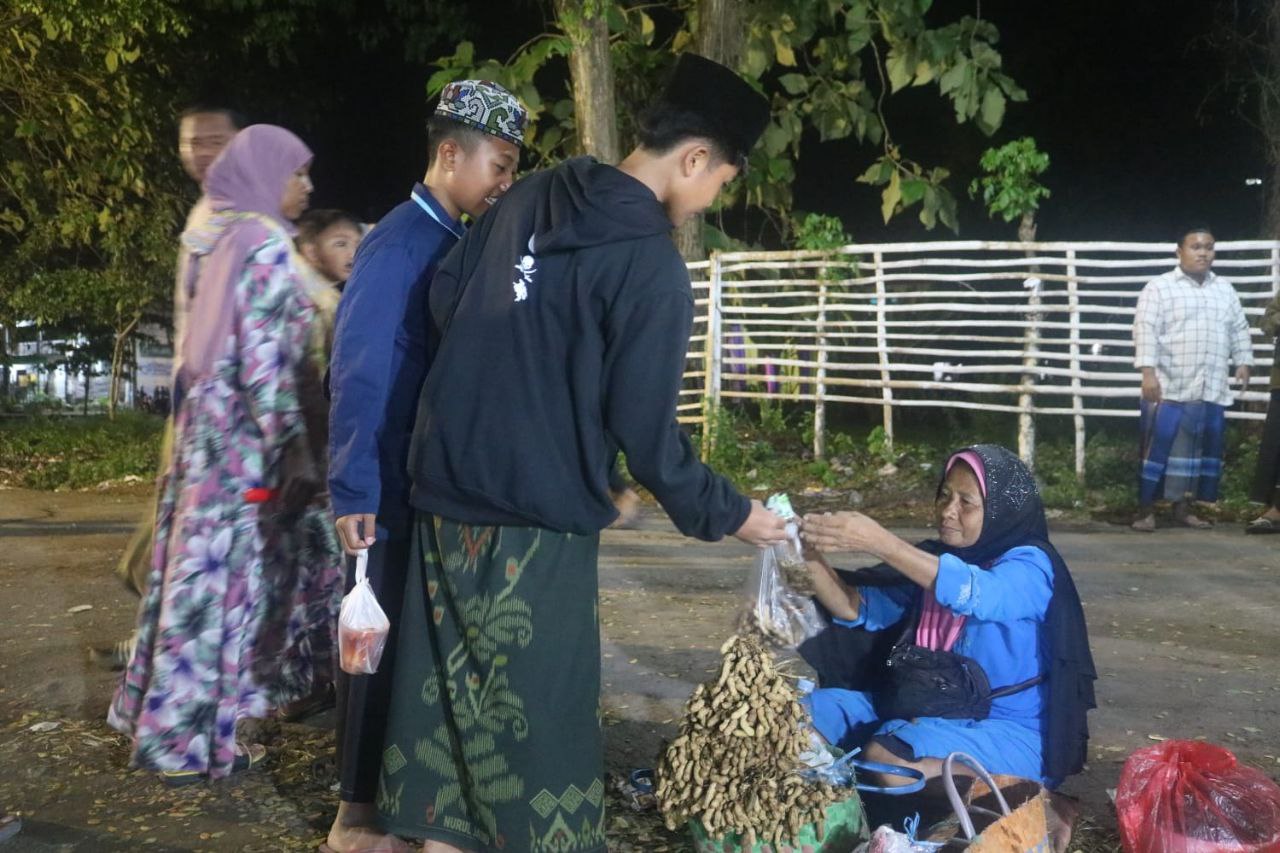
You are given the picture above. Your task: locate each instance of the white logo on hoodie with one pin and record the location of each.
(526, 269)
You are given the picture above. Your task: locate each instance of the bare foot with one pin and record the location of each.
(440, 847)
(1146, 524)
(1060, 818)
(354, 829)
(1194, 522)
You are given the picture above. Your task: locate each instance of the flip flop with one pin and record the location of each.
(1194, 523)
(249, 756)
(1263, 525)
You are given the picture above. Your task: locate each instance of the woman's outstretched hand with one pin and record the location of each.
(843, 531)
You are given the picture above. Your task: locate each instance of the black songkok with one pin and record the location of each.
(734, 111)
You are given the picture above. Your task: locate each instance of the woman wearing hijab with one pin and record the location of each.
(990, 588)
(239, 613)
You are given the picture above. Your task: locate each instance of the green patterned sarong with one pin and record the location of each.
(494, 740)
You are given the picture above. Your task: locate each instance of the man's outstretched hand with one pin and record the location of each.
(762, 527)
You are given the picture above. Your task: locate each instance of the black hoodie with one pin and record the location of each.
(561, 324)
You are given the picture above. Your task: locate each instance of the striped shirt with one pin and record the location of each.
(1190, 332)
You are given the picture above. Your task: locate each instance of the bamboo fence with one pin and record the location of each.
(1036, 329)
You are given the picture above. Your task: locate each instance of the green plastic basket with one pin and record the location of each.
(845, 828)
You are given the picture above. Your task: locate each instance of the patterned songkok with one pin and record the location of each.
(486, 107)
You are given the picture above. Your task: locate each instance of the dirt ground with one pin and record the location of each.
(1184, 627)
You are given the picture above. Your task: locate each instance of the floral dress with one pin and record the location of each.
(240, 611)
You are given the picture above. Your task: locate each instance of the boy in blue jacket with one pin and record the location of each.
(380, 356)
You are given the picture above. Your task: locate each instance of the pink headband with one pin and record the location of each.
(974, 461)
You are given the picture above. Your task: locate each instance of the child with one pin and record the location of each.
(328, 239)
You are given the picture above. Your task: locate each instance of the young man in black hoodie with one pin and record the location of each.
(560, 323)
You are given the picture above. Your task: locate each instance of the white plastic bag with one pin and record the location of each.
(362, 625)
(887, 840)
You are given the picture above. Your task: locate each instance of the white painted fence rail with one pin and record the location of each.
(1031, 328)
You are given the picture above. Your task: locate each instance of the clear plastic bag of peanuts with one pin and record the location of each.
(779, 603)
(362, 625)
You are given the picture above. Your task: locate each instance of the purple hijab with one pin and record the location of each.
(249, 177)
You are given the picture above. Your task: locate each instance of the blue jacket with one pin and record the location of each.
(380, 357)
(1006, 606)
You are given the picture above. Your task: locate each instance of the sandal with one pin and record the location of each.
(1194, 522)
(1263, 524)
(247, 757)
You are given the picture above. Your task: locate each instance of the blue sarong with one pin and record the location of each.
(1181, 451)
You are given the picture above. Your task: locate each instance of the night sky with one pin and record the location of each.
(1119, 97)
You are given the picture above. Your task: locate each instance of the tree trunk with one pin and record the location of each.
(591, 72)
(4, 362)
(117, 365)
(719, 38)
(1027, 229)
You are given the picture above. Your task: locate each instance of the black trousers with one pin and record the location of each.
(363, 700)
(1266, 480)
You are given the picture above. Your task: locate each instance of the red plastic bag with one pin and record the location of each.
(362, 625)
(1184, 796)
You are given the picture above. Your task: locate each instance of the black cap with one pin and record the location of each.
(735, 111)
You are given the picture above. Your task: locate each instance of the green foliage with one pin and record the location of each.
(773, 420)
(767, 453)
(1009, 188)
(818, 232)
(879, 446)
(849, 55)
(78, 452)
(86, 219)
(906, 183)
(826, 66)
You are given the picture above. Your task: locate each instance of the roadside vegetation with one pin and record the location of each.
(762, 448)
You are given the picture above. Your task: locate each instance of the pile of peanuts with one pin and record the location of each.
(734, 765)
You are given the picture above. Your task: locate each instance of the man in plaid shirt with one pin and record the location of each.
(1188, 329)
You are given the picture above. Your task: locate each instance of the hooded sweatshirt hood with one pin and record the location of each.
(561, 323)
(587, 203)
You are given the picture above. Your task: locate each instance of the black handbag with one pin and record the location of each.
(922, 682)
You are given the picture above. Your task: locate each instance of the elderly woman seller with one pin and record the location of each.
(990, 655)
